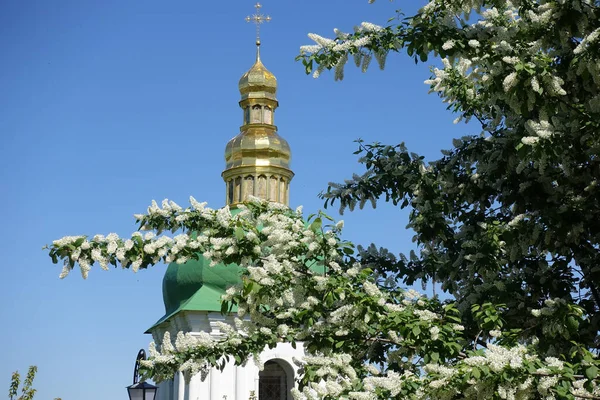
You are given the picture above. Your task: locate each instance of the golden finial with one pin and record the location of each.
(258, 19)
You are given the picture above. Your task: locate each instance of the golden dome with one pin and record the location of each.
(260, 147)
(258, 80)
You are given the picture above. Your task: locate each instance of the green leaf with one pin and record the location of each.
(224, 307)
(239, 233)
(591, 372)
(316, 225)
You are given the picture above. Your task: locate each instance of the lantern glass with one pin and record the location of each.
(149, 394)
(142, 391)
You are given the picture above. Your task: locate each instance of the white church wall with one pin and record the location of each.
(234, 382)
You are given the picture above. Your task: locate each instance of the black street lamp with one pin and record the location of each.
(141, 390)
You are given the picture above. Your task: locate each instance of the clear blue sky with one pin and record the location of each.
(106, 105)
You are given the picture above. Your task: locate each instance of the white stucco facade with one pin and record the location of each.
(234, 382)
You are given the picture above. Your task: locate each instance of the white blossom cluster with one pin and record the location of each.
(356, 44)
(439, 381)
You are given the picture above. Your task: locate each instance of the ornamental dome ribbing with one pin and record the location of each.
(258, 81)
(258, 147)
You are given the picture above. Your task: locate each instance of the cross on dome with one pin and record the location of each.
(258, 19)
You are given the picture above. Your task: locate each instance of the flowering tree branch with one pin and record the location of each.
(284, 295)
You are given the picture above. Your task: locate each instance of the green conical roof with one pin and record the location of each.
(182, 281)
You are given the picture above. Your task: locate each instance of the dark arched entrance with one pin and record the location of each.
(273, 383)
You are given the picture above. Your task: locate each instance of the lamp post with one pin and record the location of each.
(140, 390)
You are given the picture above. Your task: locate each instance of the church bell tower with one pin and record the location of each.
(258, 159)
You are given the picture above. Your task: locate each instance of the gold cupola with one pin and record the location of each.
(258, 159)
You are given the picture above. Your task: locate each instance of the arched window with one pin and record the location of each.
(261, 191)
(247, 115)
(273, 188)
(273, 382)
(248, 187)
(237, 192)
(230, 192)
(267, 115)
(282, 191)
(256, 114)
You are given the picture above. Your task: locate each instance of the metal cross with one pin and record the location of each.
(258, 19)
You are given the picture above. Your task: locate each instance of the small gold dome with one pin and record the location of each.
(258, 79)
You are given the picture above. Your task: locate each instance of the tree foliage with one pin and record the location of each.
(27, 390)
(511, 215)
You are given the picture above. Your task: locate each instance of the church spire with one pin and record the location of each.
(258, 159)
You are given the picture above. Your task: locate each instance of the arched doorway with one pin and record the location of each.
(274, 382)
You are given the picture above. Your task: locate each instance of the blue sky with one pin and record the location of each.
(106, 105)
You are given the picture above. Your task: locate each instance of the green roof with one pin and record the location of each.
(196, 286)
(206, 298)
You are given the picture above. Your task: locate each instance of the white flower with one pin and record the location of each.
(85, 267)
(510, 81)
(545, 383)
(111, 248)
(135, 266)
(535, 85)
(99, 239)
(66, 240)
(516, 220)
(360, 42)
(112, 237)
(65, 270)
(149, 236)
(510, 60)
(369, 27)
(554, 362)
(556, 86)
(197, 206)
(495, 333)
(371, 289)
(120, 254)
(321, 41)
(474, 43)
(530, 140)
(550, 302)
(313, 48)
(586, 41)
(425, 315)
(448, 45)
(366, 61)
